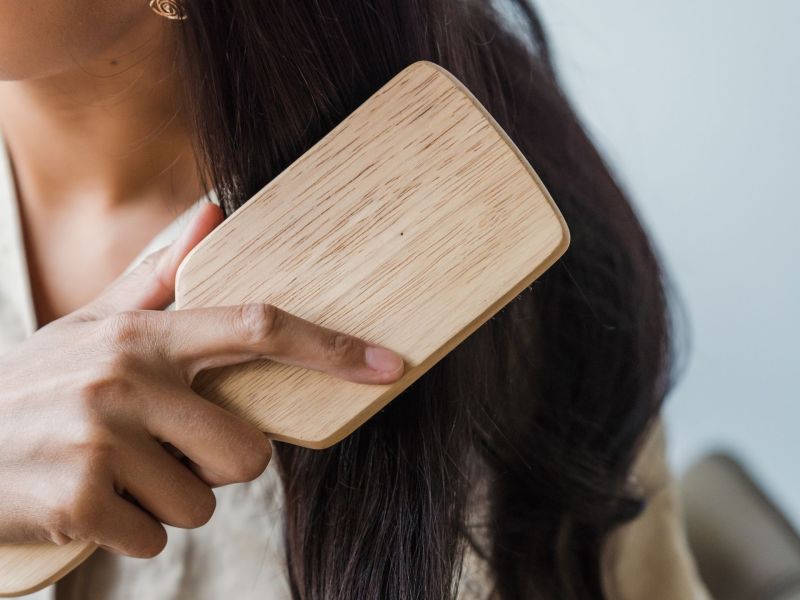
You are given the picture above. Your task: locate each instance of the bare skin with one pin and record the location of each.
(91, 113)
(100, 148)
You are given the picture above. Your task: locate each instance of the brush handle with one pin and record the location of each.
(27, 568)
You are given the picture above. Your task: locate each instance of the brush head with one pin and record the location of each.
(409, 225)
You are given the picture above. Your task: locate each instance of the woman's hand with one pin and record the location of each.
(88, 402)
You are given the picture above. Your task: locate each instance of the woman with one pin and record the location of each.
(505, 472)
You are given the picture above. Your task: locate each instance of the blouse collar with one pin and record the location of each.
(17, 314)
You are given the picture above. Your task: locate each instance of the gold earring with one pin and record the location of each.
(171, 9)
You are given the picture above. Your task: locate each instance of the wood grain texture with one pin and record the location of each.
(409, 225)
(27, 568)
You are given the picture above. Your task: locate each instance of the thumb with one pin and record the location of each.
(151, 285)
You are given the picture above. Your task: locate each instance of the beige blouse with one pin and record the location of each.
(239, 553)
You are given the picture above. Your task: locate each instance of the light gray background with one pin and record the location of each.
(696, 104)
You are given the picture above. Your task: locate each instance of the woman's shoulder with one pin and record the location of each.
(650, 557)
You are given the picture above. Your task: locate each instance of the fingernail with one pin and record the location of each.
(381, 359)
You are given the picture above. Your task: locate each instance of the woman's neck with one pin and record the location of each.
(106, 132)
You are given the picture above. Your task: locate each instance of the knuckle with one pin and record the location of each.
(110, 379)
(124, 328)
(56, 537)
(258, 322)
(74, 512)
(342, 349)
(97, 452)
(93, 453)
(57, 518)
(59, 523)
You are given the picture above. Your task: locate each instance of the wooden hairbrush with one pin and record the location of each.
(409, 225)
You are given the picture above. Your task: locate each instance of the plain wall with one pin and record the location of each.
(696, 105)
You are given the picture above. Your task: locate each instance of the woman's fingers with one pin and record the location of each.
(164, 486)
(224, 446)
(151, 285)
(119, 525)
(129, 530)
(213, 337)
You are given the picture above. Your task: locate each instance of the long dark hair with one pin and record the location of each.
(537, 417)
